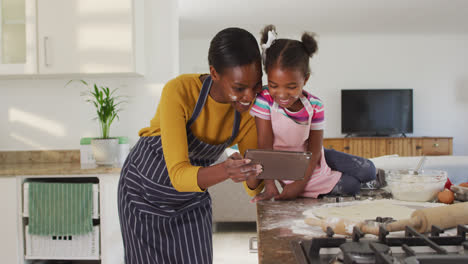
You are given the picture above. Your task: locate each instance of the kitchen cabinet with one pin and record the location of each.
(112, 250)
(9, 220)
(336, 144)
(365, 147)
(370, 147)
(110, 236)
(405, 146)
(436, 146)
(18, 37)
(90, 37)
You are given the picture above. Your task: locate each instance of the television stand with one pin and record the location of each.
(370, 147)
(376, 135)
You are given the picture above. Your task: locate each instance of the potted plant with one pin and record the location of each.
(108, 105)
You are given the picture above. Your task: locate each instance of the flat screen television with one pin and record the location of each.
(377, 112)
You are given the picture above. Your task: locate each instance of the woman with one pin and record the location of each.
(164, 206)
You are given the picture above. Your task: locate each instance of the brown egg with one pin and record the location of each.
(446, 196)
(465, 184)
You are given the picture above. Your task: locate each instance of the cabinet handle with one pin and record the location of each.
(418, 147)
(436, 145)
(46, 61)
(346, 148)
(253, 241)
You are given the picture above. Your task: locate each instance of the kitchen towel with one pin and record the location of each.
(60, 208)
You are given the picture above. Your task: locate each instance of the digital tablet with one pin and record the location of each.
(280, 165)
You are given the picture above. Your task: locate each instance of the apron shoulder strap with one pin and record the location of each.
(205, 90)
(307, 105)
(235, 128)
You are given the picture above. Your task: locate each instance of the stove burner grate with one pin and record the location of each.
(362, 252)
(378, 251)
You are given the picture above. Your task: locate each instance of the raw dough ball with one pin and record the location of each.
(446, 196)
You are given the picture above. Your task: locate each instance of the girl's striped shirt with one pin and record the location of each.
(264, 103)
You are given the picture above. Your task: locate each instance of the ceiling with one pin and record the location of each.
(203, 18)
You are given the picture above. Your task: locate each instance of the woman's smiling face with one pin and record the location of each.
(285, 85)
(240, 85)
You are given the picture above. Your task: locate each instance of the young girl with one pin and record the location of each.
(289, 118)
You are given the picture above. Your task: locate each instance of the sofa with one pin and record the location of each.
(232, 204)
(455, 166)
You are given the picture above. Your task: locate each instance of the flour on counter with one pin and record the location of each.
(280, 218)
(367, 209)
(298, 227)
(301, 228)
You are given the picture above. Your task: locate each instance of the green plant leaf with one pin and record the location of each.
(106, 102)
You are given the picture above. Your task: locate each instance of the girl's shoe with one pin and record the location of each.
(378, 183)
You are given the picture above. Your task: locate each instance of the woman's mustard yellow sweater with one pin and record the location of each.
(213, 126)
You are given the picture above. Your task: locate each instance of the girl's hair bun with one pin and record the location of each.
(310, 44)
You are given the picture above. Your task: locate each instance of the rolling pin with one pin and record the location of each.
(421, 220)
(340, 226)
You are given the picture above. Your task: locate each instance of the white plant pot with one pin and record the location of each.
(105, 150)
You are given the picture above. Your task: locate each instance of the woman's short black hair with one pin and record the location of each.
(233, 47)
(289, 53)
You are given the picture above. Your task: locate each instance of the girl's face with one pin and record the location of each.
(239, 85)
(285, 85)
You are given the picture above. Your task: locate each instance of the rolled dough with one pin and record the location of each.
(364, 210)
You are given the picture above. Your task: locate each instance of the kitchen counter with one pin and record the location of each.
(279, 223)
(17, 169)
(48, 162)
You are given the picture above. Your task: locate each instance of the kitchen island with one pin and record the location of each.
(279, 223)
(284, 238)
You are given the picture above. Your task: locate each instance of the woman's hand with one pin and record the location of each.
(270, 192)
(239, 169)
(291, 191)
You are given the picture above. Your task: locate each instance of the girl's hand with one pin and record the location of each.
(238, 169)
(291, 191)
(270, 192)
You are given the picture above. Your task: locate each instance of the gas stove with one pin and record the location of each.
(410, 248)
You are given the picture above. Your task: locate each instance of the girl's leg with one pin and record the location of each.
(347, 185)
(358, 168)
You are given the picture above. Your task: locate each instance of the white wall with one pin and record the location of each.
(434, 66)
(43, 114)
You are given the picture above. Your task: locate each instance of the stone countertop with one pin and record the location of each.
(281, 222)
(277, 226)
(59, 168)
(48, 162)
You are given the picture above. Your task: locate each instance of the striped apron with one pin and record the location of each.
(160, 224)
